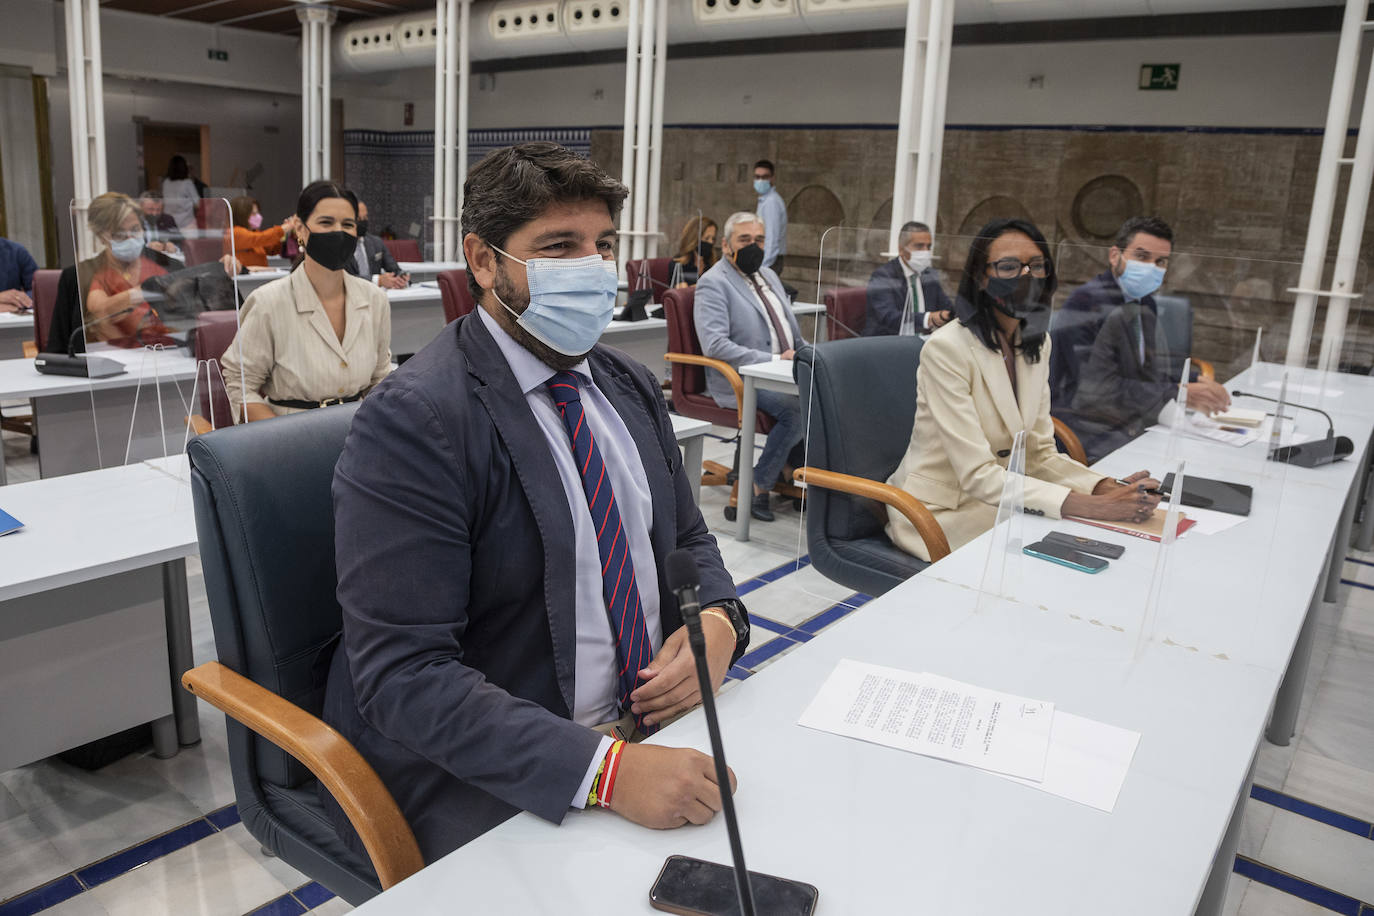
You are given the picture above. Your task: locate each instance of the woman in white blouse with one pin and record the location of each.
(319, 336)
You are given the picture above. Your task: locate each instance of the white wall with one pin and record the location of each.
(1243, 81)
(29, 36)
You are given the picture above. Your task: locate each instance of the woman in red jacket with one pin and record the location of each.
(252, 243)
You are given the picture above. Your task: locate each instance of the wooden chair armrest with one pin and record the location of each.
(1205, 369)
(724, 368)
(1072, 445)
(30, 349)
(912, 508)
(348, 777)
(199, 425)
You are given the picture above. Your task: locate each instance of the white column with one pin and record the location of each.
(639, 192)
(326, 101)
(437, 221)
(76, 88)
(95, 98)
(451, 132)
(86, 100)
(464, 85)
(930, 84)
(627, 143)
(315, 82)
(937, 149)
(1324, 191)
(656, 126)
(913, 72)
(1352, 234)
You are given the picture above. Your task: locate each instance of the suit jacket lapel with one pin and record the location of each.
(356, 308)
(995, 377)
(529, 454)
(308, 301)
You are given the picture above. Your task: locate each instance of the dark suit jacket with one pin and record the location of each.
(379, 258)
(455, 675)
(888, 291)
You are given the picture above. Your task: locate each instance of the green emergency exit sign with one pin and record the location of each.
(217, 54)
(1159, 76)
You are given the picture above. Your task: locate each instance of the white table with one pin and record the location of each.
(84, 424)
(897, 831)
(428, 270)
(417, 317)
(250, 282)
(691, 435)
(95, 628)
(15, 329)
(771, 376)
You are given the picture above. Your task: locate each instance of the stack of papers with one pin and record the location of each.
(1015, 737)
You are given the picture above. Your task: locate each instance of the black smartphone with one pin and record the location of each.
(695, 887)
(1065, 556)
(1086, 545)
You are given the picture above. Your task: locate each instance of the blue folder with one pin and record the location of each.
(8, 523)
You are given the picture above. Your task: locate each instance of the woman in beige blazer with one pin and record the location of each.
(983, 379)
(319, 336)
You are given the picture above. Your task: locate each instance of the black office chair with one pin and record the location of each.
(265, 522)
(858, 400)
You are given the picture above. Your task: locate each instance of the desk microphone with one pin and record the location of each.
(1310, 454)
(680, 571)
(82, 366)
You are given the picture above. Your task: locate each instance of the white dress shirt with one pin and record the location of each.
(595, 668)
(767, 301)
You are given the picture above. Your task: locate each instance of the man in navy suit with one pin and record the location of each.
(485, 654)
(904, 295)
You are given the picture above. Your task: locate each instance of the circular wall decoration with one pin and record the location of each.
(1103, 204)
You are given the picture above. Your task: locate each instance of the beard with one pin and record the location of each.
(517, 302)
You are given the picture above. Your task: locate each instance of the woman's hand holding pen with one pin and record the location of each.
(1131, 499)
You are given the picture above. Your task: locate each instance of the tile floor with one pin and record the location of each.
(1302, 843)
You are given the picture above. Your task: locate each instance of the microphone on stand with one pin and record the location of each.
(85, 366)
(1310, 454)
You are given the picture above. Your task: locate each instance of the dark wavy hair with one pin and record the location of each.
(311, 195)
(975, 309)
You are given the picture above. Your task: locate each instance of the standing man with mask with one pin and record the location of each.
(372, 257)
(1108, 378)
(503, 509)
(773, 212)
(743, 316)
(904, 295)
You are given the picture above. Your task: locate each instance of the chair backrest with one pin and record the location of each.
(214, 332)
(403, 249)
(44, 301)
(453, 290)
(203, 250)
(660, 270)
(678, 307)
(858, 400)
(1174, 330)
(847, 308)
(265, 522)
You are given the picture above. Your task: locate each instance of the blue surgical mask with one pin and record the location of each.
(571, 301)
(126, 251)
(1140, 278)
(762, 185)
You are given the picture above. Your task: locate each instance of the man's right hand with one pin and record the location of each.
(787, 354)
(1208, 396)
(940, 319)
(15, 300)
(663, 787)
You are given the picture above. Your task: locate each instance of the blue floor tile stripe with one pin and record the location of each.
(833, 613)
(285, 905)
(763, 653)
(1316, 812)
(1305, 890)
(1361, 562)
(777, 572)
(145, 852)
(764, 623)
(313, 894)
(739, 674)
(39, 899)
(225, 817)
(1357, 584)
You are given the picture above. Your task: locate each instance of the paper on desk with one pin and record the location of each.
(1087, 761)
(935, 716)
(1210, 521)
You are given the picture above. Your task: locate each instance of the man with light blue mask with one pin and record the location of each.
(504, 507)
(1111, 376)
(773, 212)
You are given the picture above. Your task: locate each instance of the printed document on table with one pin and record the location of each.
(935, 716)
(1087, 762)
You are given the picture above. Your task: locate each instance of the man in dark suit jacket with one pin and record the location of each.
(895, 305)
(372, 257)
(480, 666)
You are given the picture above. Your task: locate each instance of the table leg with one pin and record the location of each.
(748, 413)
(1342, 543)
(1365, 538)
(691, 464)
(1283, 722)
(177, 606)
(165, 737)
(1213, 898)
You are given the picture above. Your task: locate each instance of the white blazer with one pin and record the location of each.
(966, 419)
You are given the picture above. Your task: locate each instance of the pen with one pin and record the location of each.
(1153, 491)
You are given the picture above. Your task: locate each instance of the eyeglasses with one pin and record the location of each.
(1011, 268)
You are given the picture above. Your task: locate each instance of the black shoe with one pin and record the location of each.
(759, 509)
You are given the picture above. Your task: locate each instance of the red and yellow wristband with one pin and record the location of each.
(604, 783)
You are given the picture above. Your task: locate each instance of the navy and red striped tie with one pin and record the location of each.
(633, 651)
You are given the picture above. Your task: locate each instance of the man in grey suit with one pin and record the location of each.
(743, 316)
(501, 625)
(372, 257)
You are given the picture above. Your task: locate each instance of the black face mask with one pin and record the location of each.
(1020, 299)
(749, 259)
(331, 250)
(362, 227)
(704, 250)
